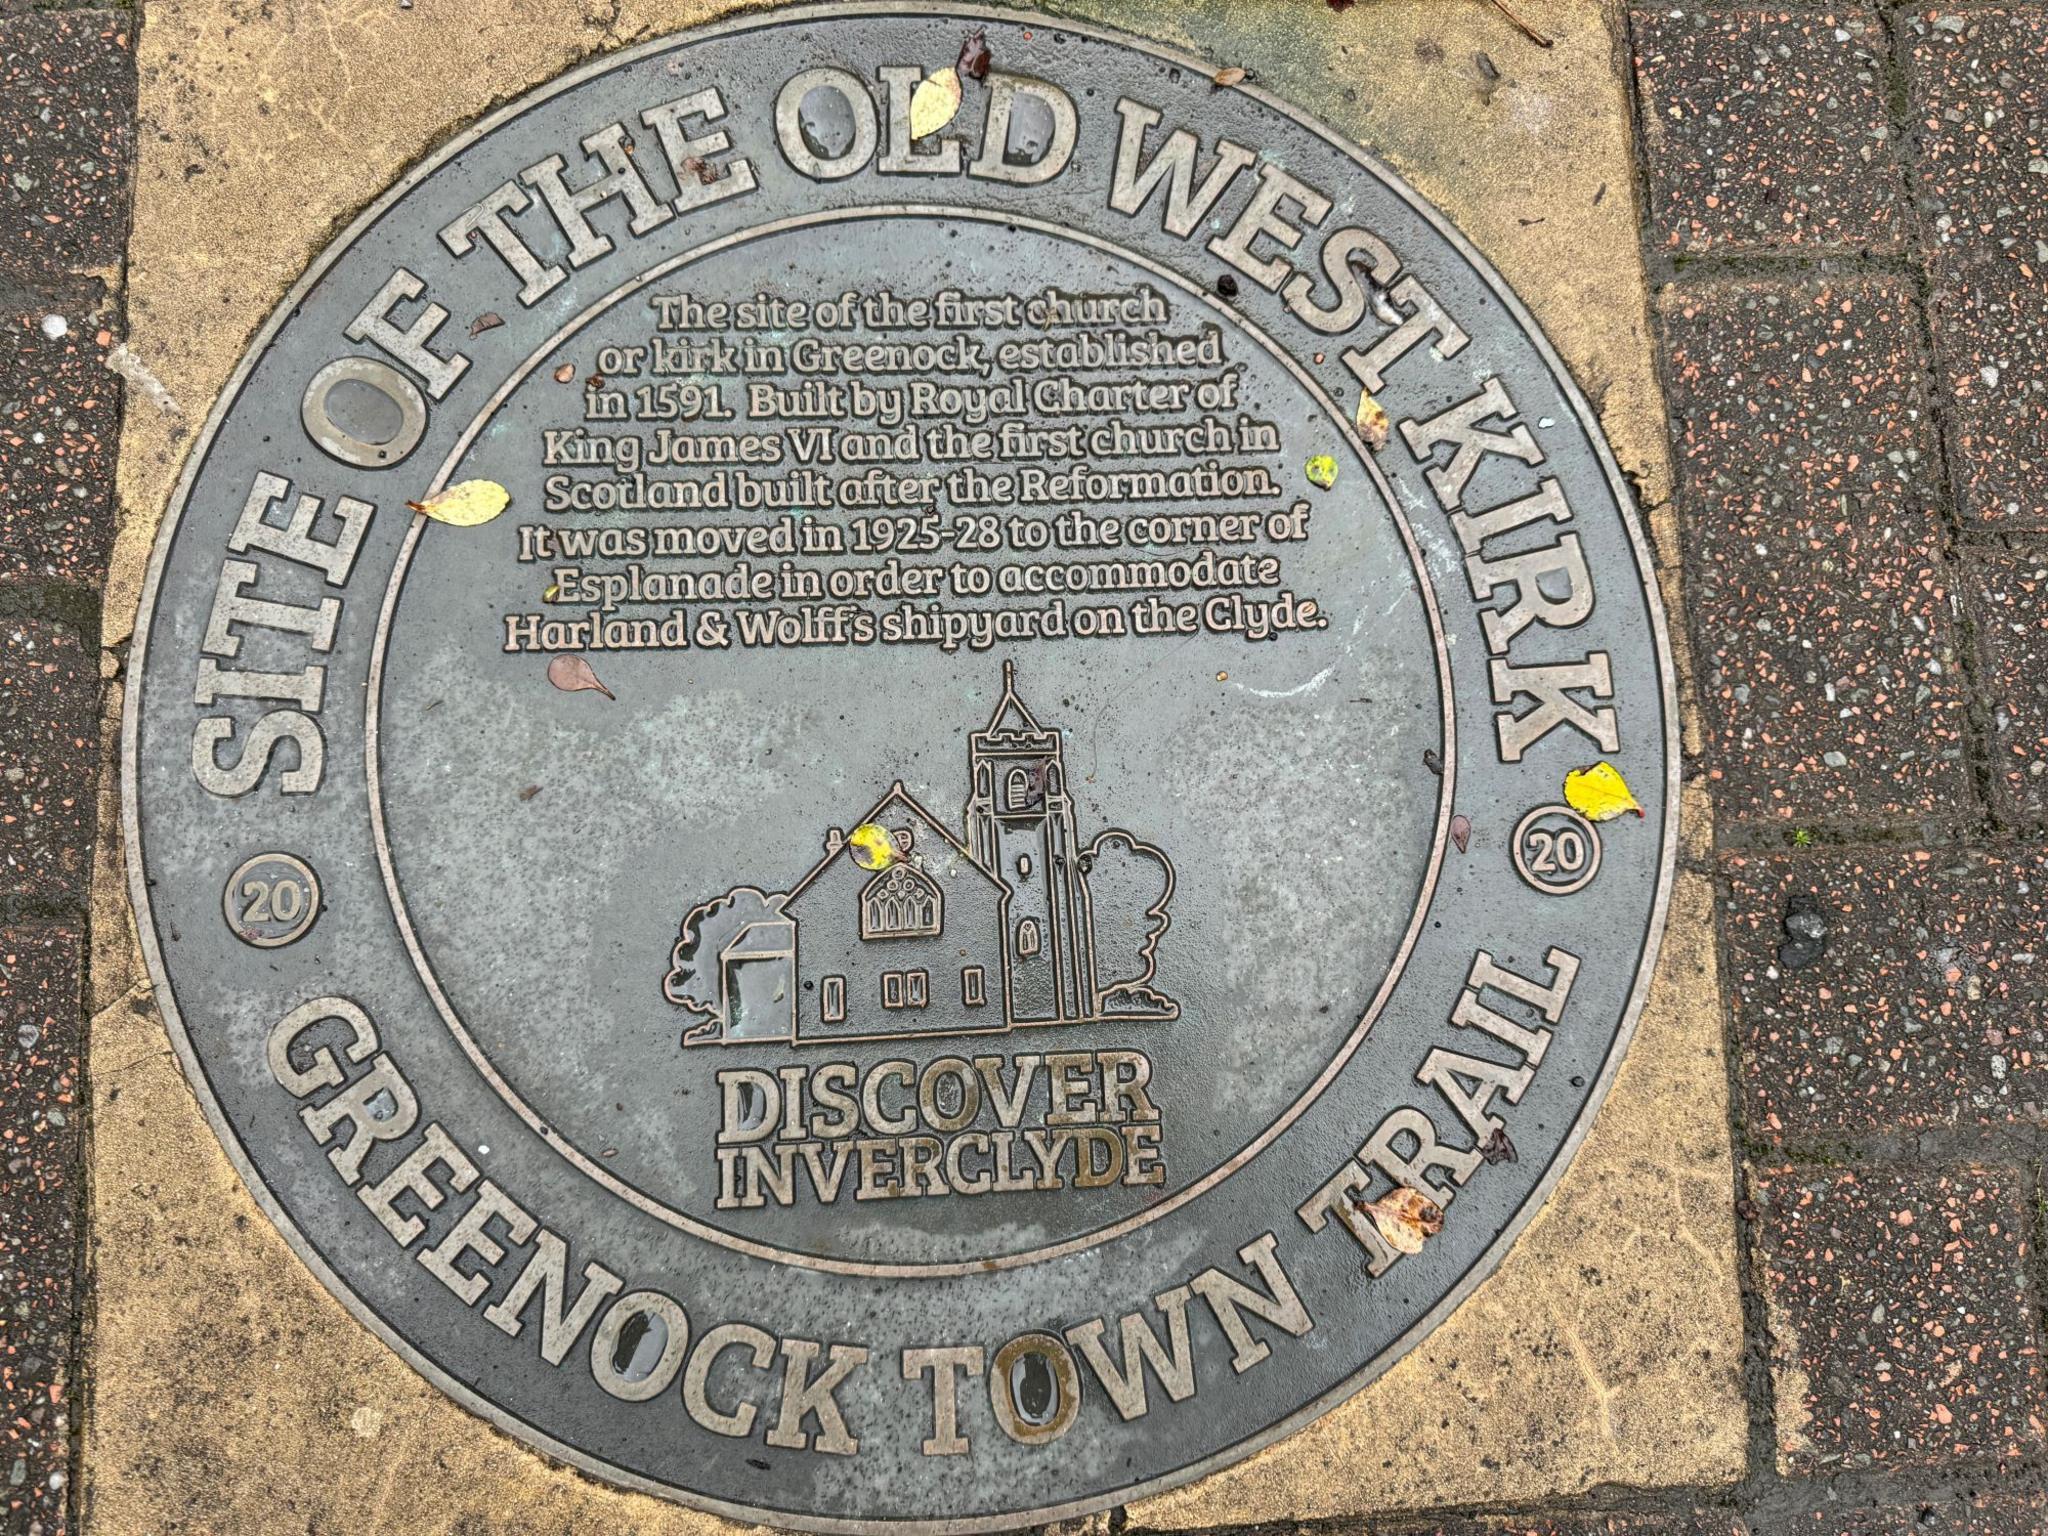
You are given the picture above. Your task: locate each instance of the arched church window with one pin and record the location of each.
(1017, 794)
(1027, 938)
(901, 903)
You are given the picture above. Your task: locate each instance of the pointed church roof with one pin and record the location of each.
(897, 795)
(1009, 706)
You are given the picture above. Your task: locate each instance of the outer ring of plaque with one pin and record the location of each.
(1259, 1439)
(542, 1126)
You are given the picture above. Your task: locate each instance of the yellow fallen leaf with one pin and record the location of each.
(1321, 471)
(873, 847)
(934, 102)
(1405, 1218)
(1372, 421)
(465, 505)
(1599, 793)
(554, 591)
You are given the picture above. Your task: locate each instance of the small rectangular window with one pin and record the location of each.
(973, 988)
(832, 999)
(892, 989)
(917, 991)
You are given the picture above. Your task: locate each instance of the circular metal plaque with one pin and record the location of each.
(961, 911)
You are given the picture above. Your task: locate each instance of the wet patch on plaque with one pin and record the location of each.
(947, 892)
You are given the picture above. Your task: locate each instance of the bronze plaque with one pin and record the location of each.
(848, 770)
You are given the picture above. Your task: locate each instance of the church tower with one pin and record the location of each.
(1020, 827)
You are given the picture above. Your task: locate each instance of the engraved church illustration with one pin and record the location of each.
(902, 929)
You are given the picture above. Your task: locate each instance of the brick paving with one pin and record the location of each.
(1926, 1007)
(1769, 128)
(1902, 1331)
(67, 128)
(1820, 603)
(1846, 226)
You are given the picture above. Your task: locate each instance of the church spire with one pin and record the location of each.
(1000, 720)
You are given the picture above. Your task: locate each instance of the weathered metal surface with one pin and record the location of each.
(940, 1044)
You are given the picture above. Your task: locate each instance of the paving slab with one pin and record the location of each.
(67, 123)
(1979, 91)
(1766, 128)
(41, 1126)
(231, 1383)
(1902, 1327)
(1970, 1513)
(1818, 598)
(2005, 595)
(48, 758)
(58, 412)
(1690, 1523)
(1923, 1007)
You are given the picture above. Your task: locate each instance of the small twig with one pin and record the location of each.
(1521, 26)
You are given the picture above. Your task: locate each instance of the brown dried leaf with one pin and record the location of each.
(1461, 832)
(974, 56)
(1497, 1148)
(489, 320)
(1405, 1218)
(1371, 421)
(1228, 77)
(705, 172)
(529, 792)
(572, 674)
(565, 373)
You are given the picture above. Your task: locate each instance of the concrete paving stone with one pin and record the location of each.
(1766, 128)
(1819, 601)
(1979, 92)
(59, 415)
(1901, 1332)
(40, 1189)
(1690, 1523)
(49, 752)
(2005, 595)
(1925, 1007)
(1970, 1513)
(67, 137)
(1978, 84)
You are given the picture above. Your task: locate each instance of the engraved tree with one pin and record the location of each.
(695, 981)
(1129, 885)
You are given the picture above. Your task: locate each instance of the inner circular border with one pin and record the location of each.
(539, 1439)
(541, 1125)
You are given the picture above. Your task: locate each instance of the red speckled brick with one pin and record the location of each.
(58, 419)
(2006, 597)
(1766, 128)
(1818, 598)
(49, 760)
(67, 135)
(1901, 1333)
(1945, 1513)
(40, 1191)
(1979, 83)
(1691, 1523)
(1926, 1008)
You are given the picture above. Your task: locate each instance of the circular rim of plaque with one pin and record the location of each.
(839, 1510)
